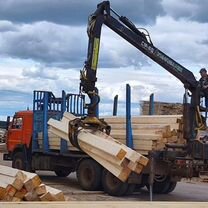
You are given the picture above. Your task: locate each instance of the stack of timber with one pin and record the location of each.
(149, 132)
(2, 135)
(162, 108)
(3, 147)
(55, 142)
(110, 153)
(17, 185)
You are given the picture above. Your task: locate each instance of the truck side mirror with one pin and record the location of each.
(8, 122)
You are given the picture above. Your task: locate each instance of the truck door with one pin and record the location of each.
(15, 133)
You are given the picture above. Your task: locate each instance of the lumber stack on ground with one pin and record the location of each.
(149, 132)
(17, 185)
(110, 153)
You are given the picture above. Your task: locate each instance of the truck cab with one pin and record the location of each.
(20, 131)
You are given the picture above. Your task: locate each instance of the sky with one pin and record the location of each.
(43, 46)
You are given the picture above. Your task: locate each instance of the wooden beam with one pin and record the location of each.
(57, 194)
(139, 136)
(144, 126)
(15, 182)
(12, 172)
(163, 119)
(41, 189)
(102, 154)
(21, 193)
(118, 171)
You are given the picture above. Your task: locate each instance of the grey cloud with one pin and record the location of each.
(6, 26)
(63, 46)
(204, 42)
(38, 72)
(195, 10)
(75, 12)
(13, 95)
(123, 58)
(46, 43)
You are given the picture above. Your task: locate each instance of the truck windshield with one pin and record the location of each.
(17, 123)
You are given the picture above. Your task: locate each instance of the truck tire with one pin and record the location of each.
(62, 172)
(18, 161)
(89, 174)
(112, 185)
(161, 185)
(130, 189)
(138, 187)
(171, 187)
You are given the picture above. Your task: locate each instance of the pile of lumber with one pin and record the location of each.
(149, 132)
(17, 185)
(3, 147)
(110, 153)
(2, 135)
(54, 142)
(162, 108)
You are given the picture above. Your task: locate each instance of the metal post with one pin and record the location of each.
(63, 103)
(36, 100)
(63, 143)
(94, 101)
(115, 105)
(129, 137)
(151, 105)
(152, 174)
(45, 125)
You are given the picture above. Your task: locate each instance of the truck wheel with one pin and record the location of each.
(18, 161)
(138, 187)
(160, 187)
(112, 185)
(89, 174)
(62, 173)
(161, 184)
(130, 189)
(171, 187)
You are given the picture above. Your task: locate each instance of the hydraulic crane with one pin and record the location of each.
(121, 25)
(193, 154)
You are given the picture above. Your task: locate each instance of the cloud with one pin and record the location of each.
(65, 46)
(45, 42)
(75, 12)
(110, 82)
(143, 82)
(183, 40)
(55, 45)
(195, 10)
(6, 26)
(39, 72)
(17, 85)
(44, 45)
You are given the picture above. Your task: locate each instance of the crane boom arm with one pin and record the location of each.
(127, 30)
